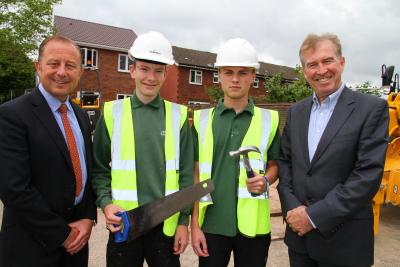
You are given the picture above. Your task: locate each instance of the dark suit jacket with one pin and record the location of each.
(339, 183)
(37, 182)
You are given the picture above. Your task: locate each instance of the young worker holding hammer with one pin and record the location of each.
(236, 216)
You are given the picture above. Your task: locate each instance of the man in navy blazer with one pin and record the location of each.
(46, 220)
(332, 156)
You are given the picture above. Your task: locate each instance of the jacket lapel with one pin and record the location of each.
(302, 124)
(344, 107)
(44, 114)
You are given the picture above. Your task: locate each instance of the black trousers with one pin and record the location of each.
(303, 260)
(154, 246)
(246, 251)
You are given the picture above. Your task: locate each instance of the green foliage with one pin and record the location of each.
(279, 91)
(214, 92)
(27, 22)
(17, 72)
(23, 25)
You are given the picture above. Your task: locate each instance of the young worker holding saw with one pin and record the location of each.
(143, 150)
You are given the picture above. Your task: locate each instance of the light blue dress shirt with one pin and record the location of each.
(319, 118)
(54, 104)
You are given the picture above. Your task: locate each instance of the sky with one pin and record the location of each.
(369, 30)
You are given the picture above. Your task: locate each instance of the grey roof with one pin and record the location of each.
(95, 34)
(190, 57)
(205, 60)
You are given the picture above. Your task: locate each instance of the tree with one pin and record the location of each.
(17, 72)
(299, 88)
(23, 25)
(280, 91)
(26, 22)
(214, 92)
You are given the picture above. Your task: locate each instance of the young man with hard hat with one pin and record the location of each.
(236, 215)
(135, 160)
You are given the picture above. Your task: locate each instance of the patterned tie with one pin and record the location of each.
(73, 150)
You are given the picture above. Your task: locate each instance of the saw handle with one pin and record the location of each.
(122, 235)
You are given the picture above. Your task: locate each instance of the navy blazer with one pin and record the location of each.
(337, 186)
(37, 182)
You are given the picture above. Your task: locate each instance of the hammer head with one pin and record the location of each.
(244, 150)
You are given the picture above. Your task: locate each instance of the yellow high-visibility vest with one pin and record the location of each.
(120, 127)
(252, 212)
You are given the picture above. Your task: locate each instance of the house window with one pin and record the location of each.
(256, 82)
(89, 57)
(123, 62)
(195, 77)
(122, 96)
(215, 77)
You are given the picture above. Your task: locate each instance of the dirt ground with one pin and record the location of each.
(387, 242)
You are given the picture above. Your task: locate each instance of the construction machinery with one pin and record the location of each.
(90, 101)
(390, 185)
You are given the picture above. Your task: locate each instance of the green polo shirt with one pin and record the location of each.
(228, 130)
(149, 127)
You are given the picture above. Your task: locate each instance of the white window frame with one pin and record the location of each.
(215, 77)
(94, 55)
(127, 62)
(122, 96)
(256, 82)
(197, 74)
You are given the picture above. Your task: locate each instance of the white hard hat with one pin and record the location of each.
(237, 52)
(152, 46)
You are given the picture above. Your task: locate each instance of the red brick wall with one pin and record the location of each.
(193, 92)
(111, 80)
(169, 90)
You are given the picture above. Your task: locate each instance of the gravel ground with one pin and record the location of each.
(387, 242)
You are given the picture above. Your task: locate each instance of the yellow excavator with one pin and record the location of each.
(89, 100)
(389, 191)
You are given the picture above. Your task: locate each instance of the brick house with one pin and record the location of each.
(105, 59)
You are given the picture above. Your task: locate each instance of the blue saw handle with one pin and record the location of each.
(122, 235)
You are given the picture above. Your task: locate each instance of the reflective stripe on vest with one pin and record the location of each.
(119, 123)
(252, 212)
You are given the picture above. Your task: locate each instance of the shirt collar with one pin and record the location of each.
(53, 101)
(155, 103)
(221, 108)
(331, 100)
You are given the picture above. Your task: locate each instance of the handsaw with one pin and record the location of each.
(142, 219)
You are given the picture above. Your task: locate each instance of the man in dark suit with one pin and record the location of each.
(45, 156)
(332, 157)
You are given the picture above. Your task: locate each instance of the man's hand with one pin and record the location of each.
(199, 243)
(111, 219)
(181, 239)
(298, 220)
(84, 228)
(256, 184)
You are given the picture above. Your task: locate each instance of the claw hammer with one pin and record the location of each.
(244, 151)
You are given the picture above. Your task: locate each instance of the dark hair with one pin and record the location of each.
(57, 38)
(312, 40)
